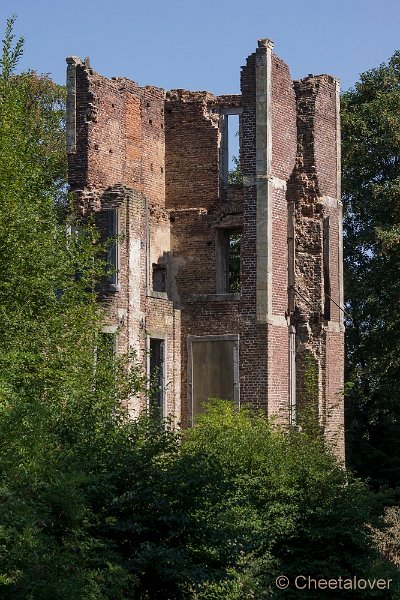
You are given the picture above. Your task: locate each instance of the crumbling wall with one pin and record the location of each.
(160, 158)
(116, 160)
(198, 209)
(308, 230)
(192, 158)
(314, 190)
(284, 134)
(118, 129)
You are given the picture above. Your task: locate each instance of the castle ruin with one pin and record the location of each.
(225, 285)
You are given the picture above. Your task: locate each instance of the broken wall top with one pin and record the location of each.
(167, 145)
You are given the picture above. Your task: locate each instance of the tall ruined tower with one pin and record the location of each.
(225, 286)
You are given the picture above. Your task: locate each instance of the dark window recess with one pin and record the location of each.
(156, 375)
(234, 243)
(159, 276)
(112, 249)
(228, 261)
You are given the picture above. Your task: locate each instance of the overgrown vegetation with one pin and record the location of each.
(96, 506)
(234, 246)
(235, 175)
(371, 194)
(56, 409)
(371, 188)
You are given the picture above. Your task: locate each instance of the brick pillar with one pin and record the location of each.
(316, 304)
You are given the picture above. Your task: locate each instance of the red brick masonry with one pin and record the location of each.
(157, 159)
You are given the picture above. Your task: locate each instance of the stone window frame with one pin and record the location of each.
(225, 112)
(162, 336)
(235, 337)
(222, 258)
(150, 293)
(113, 257)
(117, 198)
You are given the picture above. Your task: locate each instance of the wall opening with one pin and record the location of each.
(159, 278)
(156, 374)
(112, 258)
(233, 141)
(213, 370)
(228, 248)
(234, 246)
(230, 147)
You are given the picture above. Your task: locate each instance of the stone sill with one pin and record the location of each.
(213, 298)
(111, 288)
(159, 295)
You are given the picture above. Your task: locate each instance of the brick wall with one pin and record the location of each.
(157, 157)
(313, 189)
(192, 157)
(283, 120)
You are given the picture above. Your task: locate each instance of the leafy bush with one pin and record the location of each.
(234, 504)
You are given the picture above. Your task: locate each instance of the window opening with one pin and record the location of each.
(234, 243)
(156, 376)
(112, 249)
(230, 163)
(233, 140)
(228, 260)
(159, 273)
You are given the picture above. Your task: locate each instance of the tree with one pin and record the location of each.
(235, 175)
(371, 194)
(59, 410)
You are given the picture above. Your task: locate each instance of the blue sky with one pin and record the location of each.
(201, 45)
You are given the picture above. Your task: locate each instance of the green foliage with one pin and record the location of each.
(388, 536)
(284, 505)
(11, 53)
(58, 413)
(235, 239)
(236, 503)
(371, 194)
(308, 396)
(235, 176)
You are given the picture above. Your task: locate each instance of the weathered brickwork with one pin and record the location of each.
(152, 165)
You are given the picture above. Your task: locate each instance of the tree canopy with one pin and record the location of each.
(371, 194)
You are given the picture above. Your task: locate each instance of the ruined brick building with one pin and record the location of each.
(153, 165)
